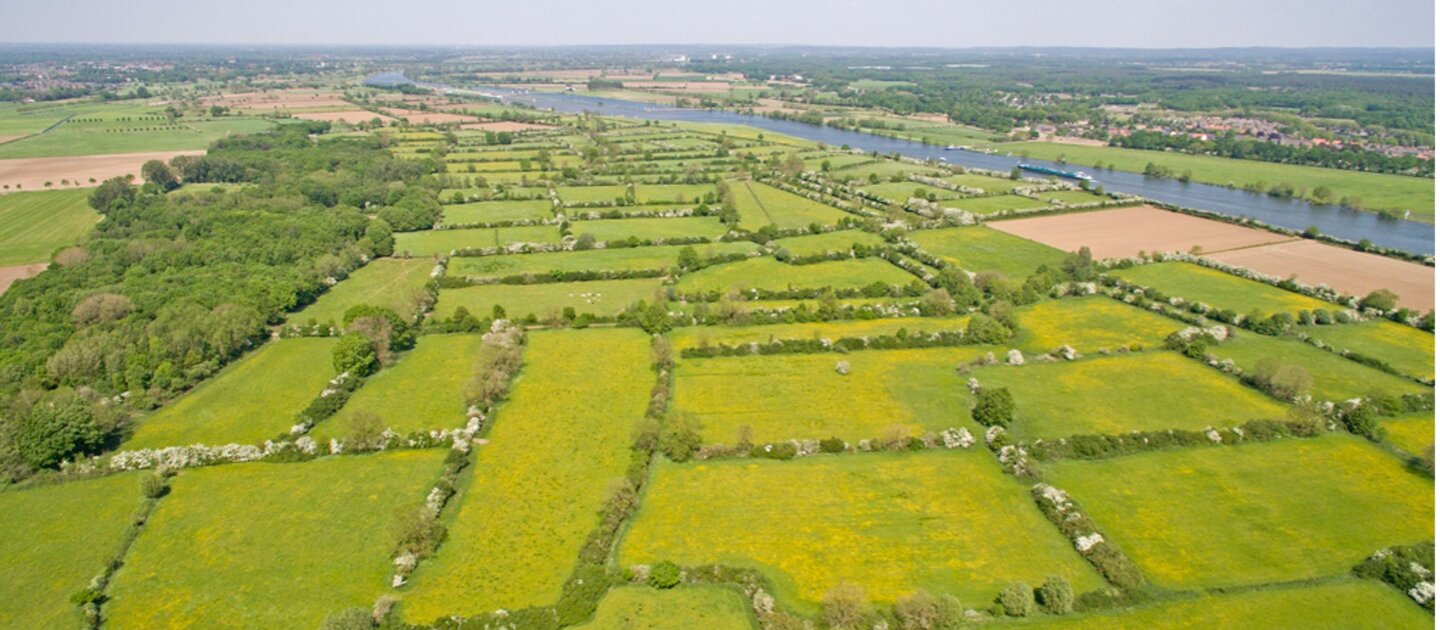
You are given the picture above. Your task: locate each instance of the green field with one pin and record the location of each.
(531, 498)
(1254, 513)
(1335, 378)
(985, 182)
(1219, 289)
(34, 224)
(699, 336)
(438, 369)
(1414, 433)
(496, 211)
(900, 192)
(621, 229)
(1072, 197)
(394, 283)
(1152, 391)
(884, 169)
(73, 138)
(429, 242)
(679, 195)
(841, 241)
(619, 259)
(56, 539)
(947, 522)
(798, 396)
(991, 205)
(772, 275)
(979, 248)
(644, 608)
(1342, 605)
(1376, 189)
(762, 205)
(254, 399)
(600, 297)
(1088, 324)
(269, 545)
(1405, 348)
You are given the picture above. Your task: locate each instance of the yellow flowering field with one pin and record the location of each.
(1089, 324)
(773, 275)
(1412, 432)
(531, 498)
(1343, 605)
(700, 336)
(1253, 513)
(945, 521)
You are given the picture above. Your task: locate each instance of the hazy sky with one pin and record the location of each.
(947, 23)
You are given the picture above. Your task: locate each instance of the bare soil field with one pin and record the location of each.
(352, 116)
(8, 275)
(1346, 270)
(32, 173)
(1127, 231)
(506, 125)
(428, 118)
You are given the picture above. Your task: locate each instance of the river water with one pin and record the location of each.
(1410, 236)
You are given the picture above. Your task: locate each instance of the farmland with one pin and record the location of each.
(600, 297)
(392, 283)
(771, 275)
(984, 249)
(762, 205)
(1334, 377)
(623, 259)
(1218, 289)
(440, 366)
(34, 224)
(641, 608)
(1089, 325)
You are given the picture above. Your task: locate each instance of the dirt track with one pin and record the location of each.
(8, 275)
(32, 173)
(1347, 270)
(1127, 231)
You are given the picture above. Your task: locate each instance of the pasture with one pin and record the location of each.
(841, 241)
(35, 224)
(431, 242)
(129, 134)
(1405, 348)
(772, 275)
(1253, 513)
(991, 205)
(644, 608)
(423, 390)
(497, 211)
(394, 283)
(1413, 433)
(1335, 378)
(647, 228)
(555, 448)
(618, 259)
(1219, 289)
(981, 248)
(1088, 324)
(701, 336)
(599, 297)
(760, 205)
(270, 545)
(253, 399)
(985, 182)
(947, 522)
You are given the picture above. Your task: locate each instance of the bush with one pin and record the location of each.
(155, 484)
(923, 611)
(1286, 381)
(665, 574)
(1380, 300)
(845, 607)
(680, 438)
(1017, 600)
(417, 532)
(994, 407)
(985, 330)
(832, 445)
(1361, 421)
(1055, 596)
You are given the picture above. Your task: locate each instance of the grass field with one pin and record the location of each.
(1089, 324)
(644, 608)
(1342, 605)
(1254, 513)
(679, 195)
(269, 545)
(1072, 197)
(1335, 377)
(985, 182)
(899, 192)
(1408, 349)
(56, 539)
(884, 169)
(698, 336)
(841, 241)
(554, 450)
(947, 522)
(1412, 432)
(34, 224)
(773, 275)
(762, 205)
(980, 248)
(622, 259)
(254, 399)
(797, 396)
(1376, 189)
(423, 390)
(991, 205)
(1219, 289)
(600, 297)
(1150, 392)
(428, 242)
(72, 138)
(394, 283)
(495, 211)
(621, 229)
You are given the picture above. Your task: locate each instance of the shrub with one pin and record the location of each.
(832, 445)
(1361, 421)
(923, 611)
(1055, 596)
(155, 484)
(417, 532)
(665, 574)
(985, 330)
(54, 431)
(1380, 299)
(1017, 600)
(354, 354)
(1286, 381)
(845, 607)
(680, 438)
(994, 407)
(349, 619)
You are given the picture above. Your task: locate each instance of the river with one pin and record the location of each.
(1410, 236)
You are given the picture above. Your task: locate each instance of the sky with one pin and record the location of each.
(939, 23)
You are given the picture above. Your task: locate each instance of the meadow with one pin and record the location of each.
(621, 259)
(802, 396)
(1219, 289)
(991, 205)
(1253, 513)
(948, 522)
(1335, 378)
(112, 136)
(1151, 391)
(56, 539)
(980, 248)
(1413, 433)
(254, 399)
(496, 211)
(701, 336)
(394, 283)
(841, 241)
(1089, 324)
(600, 297)
(772, 275)
(430, 242)
(985, 182)
(270, 545)
(621, 229)
(760, 205)
(423, 390)
(35, 224)
(899, 192)
(644, 608)
(554, 450)
(1408, 349)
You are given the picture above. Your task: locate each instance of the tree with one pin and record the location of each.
(382, 238)
(845, 607)
(112, 194)
(994, 406)
(160, 174)
(689, 258)
(1287, 381)
(354, 354)
(680, 438)
(665, 574)
(985, 330)
(923, 611)
(1380, 300)
(1017, 600)
(53, 431)
(1055, 596)
(366, 430)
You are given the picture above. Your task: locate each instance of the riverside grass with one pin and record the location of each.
(686, 606)
(772, 275)
(394, 283)
(945, 521)
(1335, 378)
(979, 248)
(621, 259)
(437, 369)
(270, 545)
(555, 449)
(1253, 513)
(991, 205)
(35, 224)
(701, 336)
(1219, 289)
(761, 205)
(57, 538)
(1089, 324)
(598, 297)
(1407, 349)
(1151, 391)
(254, 399)
(802, 396)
